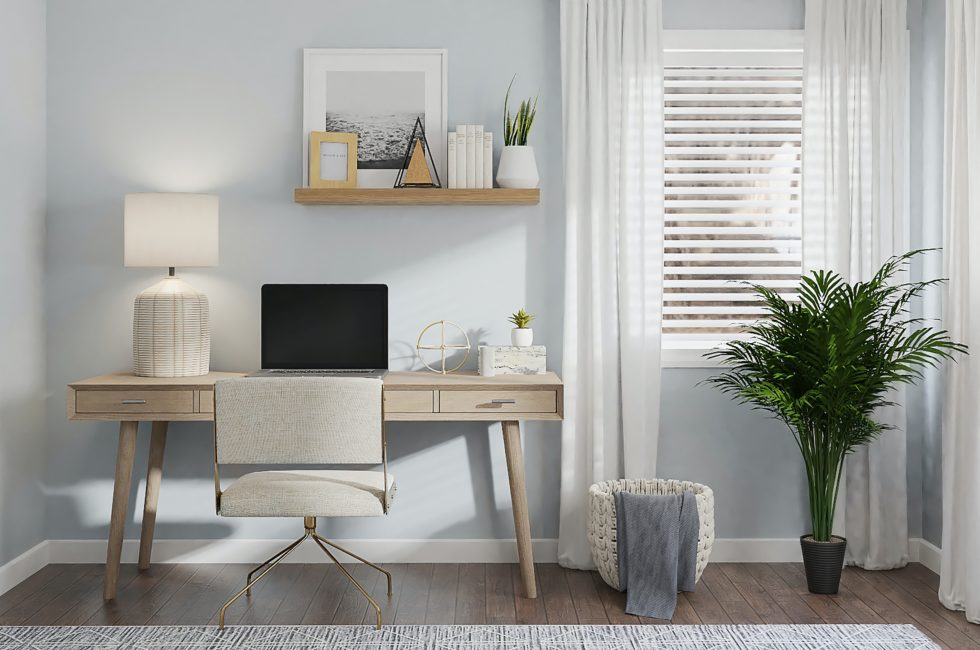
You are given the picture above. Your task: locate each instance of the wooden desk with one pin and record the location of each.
(408, 396)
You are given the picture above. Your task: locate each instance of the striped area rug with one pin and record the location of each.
(470, 637)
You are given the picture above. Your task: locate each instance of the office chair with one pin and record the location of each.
(302, 421)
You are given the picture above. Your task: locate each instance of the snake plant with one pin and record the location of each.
(517, 128)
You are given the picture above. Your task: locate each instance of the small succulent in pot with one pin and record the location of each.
(521, 335)
(521, 319)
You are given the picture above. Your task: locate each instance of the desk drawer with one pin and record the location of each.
(503, 401)
(408, 401)
(134, 401)
(206, 401)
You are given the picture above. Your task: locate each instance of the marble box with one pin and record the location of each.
(512, 360)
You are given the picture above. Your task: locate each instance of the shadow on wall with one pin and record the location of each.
(167, 527)
(478, 504)
(91, 446)
(21, 473)
(466, 497)
(750, 462)
(404, 354)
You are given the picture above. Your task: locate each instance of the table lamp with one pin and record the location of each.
(171, 332)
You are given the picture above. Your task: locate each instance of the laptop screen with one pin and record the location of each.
(324, 326)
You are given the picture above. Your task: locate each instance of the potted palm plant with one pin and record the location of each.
(823, 364)
(518, 168)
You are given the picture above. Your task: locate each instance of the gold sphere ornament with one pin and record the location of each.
(443, 346)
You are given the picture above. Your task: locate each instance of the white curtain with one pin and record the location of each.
(959, 586)
(612, 93)
(855, 215)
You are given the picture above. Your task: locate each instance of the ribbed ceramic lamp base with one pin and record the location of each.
(171, 331)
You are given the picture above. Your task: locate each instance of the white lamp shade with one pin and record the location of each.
(171, 229)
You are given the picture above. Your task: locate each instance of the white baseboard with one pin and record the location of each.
(247, 551)
(199, 551)
(926, 553)
(788, 550)
(24, 565)
(192, 551)
(757, 550)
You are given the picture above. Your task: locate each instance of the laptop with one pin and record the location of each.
(324, 330)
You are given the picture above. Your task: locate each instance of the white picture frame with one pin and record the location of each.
(374, 93)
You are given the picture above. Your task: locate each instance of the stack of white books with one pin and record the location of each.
(470, 157)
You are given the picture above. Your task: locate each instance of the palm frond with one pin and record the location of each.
(826, 362)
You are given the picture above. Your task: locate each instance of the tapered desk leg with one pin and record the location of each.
(518, 499)
(120, 504)
(154, 472)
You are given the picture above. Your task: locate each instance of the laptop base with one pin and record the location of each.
(366, 372)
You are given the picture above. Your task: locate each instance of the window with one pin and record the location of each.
(732, 119)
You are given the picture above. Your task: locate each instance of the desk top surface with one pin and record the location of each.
(405, 380)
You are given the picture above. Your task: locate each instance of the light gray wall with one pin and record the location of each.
(22, 435)
(207, 97)
(704, 436)
(733, 14)
(927, 26)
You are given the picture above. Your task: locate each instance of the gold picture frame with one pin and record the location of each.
(333, 166)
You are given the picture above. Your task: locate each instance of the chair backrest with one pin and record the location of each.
(298, 420)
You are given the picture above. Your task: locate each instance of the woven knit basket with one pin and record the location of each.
(602, 520)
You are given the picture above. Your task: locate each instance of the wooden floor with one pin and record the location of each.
(190, 594)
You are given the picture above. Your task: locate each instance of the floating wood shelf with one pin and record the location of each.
(414, 196)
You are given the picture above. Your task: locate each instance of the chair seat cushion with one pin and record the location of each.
(307, 493)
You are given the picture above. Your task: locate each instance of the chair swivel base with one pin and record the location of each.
(309, 524)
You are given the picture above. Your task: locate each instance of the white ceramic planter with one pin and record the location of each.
(517, 168)
(522, 336)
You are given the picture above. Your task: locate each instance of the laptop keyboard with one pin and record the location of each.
(322, 372)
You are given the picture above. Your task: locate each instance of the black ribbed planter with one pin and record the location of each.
(823, 562)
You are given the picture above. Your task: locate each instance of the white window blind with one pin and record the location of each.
(733, 118)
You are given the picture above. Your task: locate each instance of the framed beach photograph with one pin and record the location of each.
(377, 95)
(333, 159)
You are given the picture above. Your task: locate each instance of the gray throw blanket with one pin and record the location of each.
(657, 546)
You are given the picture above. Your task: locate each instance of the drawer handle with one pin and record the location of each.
(134, 401)
(503, 401)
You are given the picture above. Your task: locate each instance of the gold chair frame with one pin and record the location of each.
(309, 525)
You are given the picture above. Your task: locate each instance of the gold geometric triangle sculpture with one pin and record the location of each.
(418, 171)
(418, 167)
